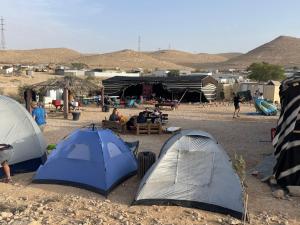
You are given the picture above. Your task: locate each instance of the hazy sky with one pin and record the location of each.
(106, 25)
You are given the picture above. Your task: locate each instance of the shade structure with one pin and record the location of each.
(287, 138)
(193, 170)
(200, 83)
(94, 159)
(18, 129)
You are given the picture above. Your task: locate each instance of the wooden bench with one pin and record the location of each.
(114, 126)
(173, 105)
(148, 128)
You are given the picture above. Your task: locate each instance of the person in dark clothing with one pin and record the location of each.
(106, 101)
(130, 124)
(141, 118)
(236, 102)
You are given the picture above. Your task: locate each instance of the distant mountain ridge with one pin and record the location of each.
(35, 56)
(283, 50)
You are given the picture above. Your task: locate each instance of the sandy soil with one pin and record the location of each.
(248, 135)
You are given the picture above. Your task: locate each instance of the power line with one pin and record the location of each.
(2, 33)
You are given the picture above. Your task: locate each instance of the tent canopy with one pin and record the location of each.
(76, 85)
(193, 170)
(200, 83)
(20, 130)
(94, 159)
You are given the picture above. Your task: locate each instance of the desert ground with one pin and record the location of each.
(249, 135)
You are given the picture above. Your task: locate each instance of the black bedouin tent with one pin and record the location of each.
(287, 138)
(198, 88)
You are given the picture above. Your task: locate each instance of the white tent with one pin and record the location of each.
(193, 170)
(18, 129)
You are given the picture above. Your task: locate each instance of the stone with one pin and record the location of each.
(6, 214)
(234, 222)
(278, 194)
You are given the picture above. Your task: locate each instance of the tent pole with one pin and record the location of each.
(66, 103)
(182, 96)
(200, 96)
(102, 96)
(123, 93)
(28, 100)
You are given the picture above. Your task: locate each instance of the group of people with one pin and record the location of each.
(154, 116)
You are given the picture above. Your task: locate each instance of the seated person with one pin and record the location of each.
(114, 115)
(123, 119)
(156, 116)
(261, 96)
(130, 124)
(156, 112)
(141, 118)
(73, 104)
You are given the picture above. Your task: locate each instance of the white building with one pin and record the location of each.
(202, 73)
(110, 73)
(74, 72)
(7, 70)
(160, 73)
(53, 95)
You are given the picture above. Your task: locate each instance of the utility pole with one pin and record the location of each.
(139, 43)
(2, 33)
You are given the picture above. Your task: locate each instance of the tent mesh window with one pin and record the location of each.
(113, 150)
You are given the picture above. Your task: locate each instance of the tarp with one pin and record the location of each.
(193, 170)
(287, 138)
(17, 128)
(94, 159)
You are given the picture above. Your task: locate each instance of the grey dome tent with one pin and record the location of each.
(19, 130)
(193, 170)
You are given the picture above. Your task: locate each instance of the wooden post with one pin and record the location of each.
(102, 96)
(66, 103)
(28, 100)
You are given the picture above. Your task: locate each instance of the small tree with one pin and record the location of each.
(78, 66)
(173, 73)
(265, 71)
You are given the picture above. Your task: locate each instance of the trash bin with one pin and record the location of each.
(145, 161)
(105, 108)
(76, 115)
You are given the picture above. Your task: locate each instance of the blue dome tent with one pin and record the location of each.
(94, 159)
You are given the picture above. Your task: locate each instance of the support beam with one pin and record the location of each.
(66, 103)
(102, 96)
(28, 100)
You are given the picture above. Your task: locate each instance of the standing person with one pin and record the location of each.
(39, 115)
(5, 155)
(236, 102)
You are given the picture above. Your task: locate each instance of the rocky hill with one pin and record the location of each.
(36, 56)
(127, 59)
(283, 50)
(186, 58)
